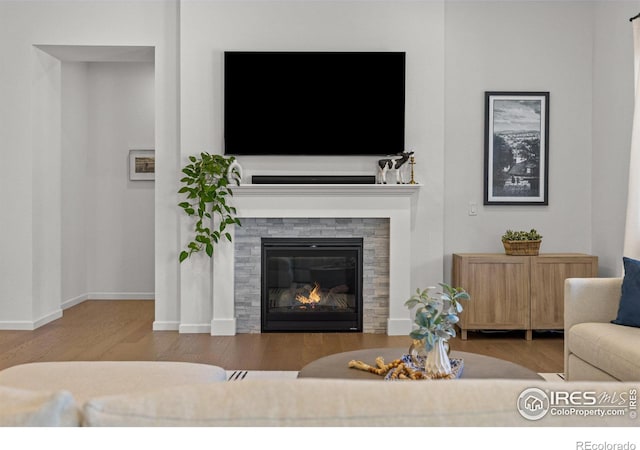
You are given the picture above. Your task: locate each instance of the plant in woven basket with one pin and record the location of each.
(521, 243)
(206, 186)
(531, 235)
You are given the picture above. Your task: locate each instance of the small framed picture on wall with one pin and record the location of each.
(142, 165)
(516, 155)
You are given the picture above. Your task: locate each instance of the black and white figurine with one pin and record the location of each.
(392, 163)
(235, 165)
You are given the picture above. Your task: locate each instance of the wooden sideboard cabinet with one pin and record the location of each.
(516, 292)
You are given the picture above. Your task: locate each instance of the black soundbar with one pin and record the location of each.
(313, 179)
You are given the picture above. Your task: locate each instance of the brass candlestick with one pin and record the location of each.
(412, 162)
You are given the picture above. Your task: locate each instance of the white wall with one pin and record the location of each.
(27, 266)
(210, 28)
(46, 175)
(120, 212)
(15, 186)
(581, 52)
(613, 99)
(108, 220)
(75, 146)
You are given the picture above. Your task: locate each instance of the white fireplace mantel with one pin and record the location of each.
(306, 190)
(393, 202)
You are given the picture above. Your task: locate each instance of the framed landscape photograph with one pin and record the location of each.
(142, 165)
(516, 159)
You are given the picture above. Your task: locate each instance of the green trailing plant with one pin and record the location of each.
(436, 314)
(206, 186)
(532, 235)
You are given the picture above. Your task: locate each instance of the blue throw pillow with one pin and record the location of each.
(629, 309)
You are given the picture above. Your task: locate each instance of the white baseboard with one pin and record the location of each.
(166, 326)
(121, 296)
(220, 327)
(223, 327)
(398, 327)
(47, 318)
(18, 325)
(74, 301)
(194, 328)
(26, 325)
(107, 296)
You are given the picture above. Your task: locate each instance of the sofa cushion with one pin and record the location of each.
(611, 348)
(310, 402)
(301, 402)
(85, 379)
(22, 408)
(579, 370)
(629, 308)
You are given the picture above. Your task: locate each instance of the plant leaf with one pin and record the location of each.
(422, 319)
(416, 334)
(411, 303)
(452, 318)
(206, 183)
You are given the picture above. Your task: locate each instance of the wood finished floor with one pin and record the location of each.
(122, 331)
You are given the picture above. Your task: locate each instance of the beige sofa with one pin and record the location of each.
(146, 394)
(595, 349)
(54, 393)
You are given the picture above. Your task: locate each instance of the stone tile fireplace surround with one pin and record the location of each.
(381, 214)
(375, 234)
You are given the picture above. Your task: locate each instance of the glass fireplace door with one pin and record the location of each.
(311, 284)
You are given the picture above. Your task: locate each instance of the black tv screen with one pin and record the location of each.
(314, 103)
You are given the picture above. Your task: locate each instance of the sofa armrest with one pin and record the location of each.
(589, 300)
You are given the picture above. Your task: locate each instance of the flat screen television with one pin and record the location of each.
(314, 103)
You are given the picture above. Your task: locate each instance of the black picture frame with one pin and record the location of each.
(516, 148)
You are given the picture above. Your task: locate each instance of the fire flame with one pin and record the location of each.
(313, 298)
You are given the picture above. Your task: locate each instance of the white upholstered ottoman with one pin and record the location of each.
(87, 379)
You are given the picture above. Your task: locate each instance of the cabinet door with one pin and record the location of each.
(548, 273)
(499, 290)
